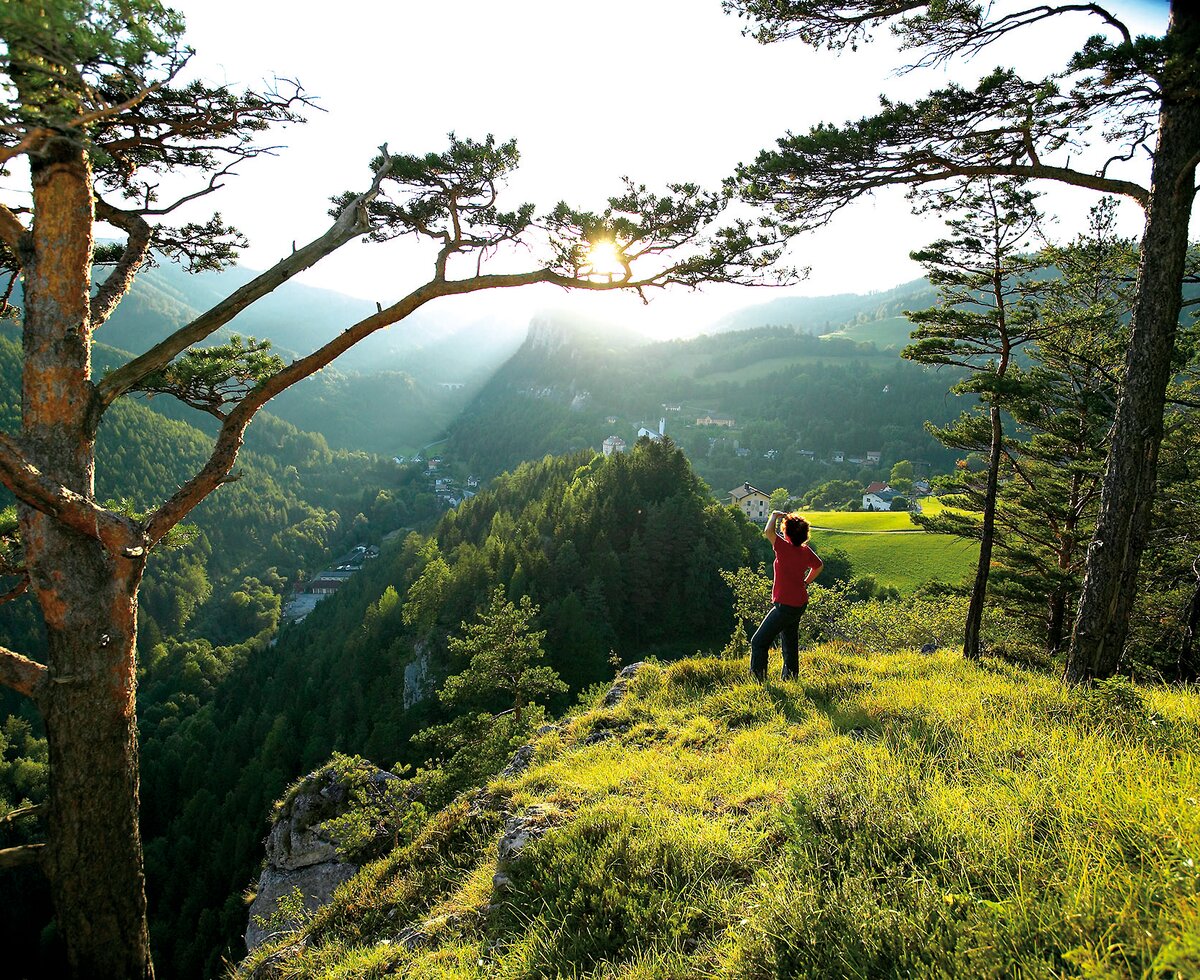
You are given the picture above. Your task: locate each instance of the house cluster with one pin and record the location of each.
(615, 444)
(449, 491)
(327, 582)
(871, 458)
(879, 496)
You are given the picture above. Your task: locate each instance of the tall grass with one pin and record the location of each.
(900, 815)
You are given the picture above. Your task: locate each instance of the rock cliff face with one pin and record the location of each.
(303, 850)
(418, 676)
(303, 853)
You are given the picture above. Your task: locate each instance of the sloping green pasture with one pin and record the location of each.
(901, 816)
(892, 331)
(881, 544)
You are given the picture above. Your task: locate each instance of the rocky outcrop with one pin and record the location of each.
(303, 854)
(616, 693)
(519, 832)
(418, 677)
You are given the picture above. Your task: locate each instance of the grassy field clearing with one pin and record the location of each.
(903, 561)
(846, 520)
(686, 365)
(894, 332)
(764, 368)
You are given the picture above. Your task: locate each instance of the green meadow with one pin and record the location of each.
(893, 331)
(883, 815)
(890, 547)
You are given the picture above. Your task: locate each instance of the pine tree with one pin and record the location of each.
(1115, 99)
(1048, 508)
(982, 319)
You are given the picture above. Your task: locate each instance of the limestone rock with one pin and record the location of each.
(418, 676)
(616, 693)
(302, 854)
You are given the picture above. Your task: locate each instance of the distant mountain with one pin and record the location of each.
(298, 318)
(391, 393)
(820, 315)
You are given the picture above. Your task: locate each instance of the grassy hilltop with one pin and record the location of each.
(894, 815)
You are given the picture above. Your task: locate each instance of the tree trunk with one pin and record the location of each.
(974, 624)
(1056, 619)
(87, 595)
(1126, 503)
(1189, 650)
(94, 857)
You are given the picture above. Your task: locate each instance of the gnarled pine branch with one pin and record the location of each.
(29, 485)
(352, 221)
(23, 675)
(137, 245)
(20, 857)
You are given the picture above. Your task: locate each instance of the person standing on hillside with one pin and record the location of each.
(796, 564)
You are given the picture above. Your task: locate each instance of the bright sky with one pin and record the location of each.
(656, 89)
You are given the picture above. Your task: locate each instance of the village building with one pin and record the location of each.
(752, 502)
(651, 434)
(720, 420)
(838, 456)
(613, 444)
(329, 581)
(879, 496)
(874, 457)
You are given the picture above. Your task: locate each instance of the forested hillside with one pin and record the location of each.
(786, 391)
(391, 394)
(622, 557)
(294, 501)
(818, 315)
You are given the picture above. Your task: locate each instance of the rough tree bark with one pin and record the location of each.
(89, 604)
(1126, 503)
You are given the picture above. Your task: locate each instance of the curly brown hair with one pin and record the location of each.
(796, 529)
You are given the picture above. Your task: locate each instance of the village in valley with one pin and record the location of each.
(756, 503)
(449, 491)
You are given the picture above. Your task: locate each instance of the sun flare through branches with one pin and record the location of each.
(606, 260)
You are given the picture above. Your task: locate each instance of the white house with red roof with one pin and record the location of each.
(879, 496)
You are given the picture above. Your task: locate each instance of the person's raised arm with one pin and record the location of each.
(771, 530)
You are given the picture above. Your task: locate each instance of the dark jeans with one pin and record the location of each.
(781, 619)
